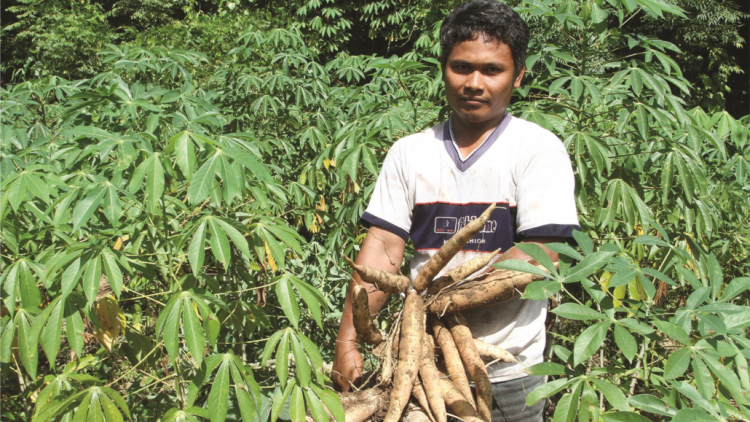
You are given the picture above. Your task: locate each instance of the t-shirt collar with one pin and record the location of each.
(452, 148)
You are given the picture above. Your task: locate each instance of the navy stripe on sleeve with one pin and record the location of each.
(369, 220)
(550, 230)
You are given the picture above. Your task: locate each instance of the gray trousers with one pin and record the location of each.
(509, 404)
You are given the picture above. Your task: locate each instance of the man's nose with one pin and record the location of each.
(474, 81)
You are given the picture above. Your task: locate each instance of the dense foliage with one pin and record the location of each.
(172, 224)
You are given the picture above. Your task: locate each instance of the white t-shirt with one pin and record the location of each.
(426, 192)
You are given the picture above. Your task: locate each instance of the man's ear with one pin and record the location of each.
(519, 77)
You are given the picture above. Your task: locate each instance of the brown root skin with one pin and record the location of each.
(453, 364)
(390, 350)
(409, 355)
(473, 363)
(382, 280)
(457, 402)
(363, 323)
(360, 406)
(488, 289)
(446, 252)
(421, 396)
(461, 272)
(415, 414)
(491, 352)
(430, 380)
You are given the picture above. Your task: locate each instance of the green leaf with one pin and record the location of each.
(114, 275)
(197, 252)
(86, 207)
(91, 278)
(523, 266)
(673, 331)
(30, 296)
(52, 332)
(27, 344)
(577, 312)
(279, 399)
(171, 329)
(703, 379)
(547, 390)
(297, 406)
(203, 180)
(74, 328)
(652, 404)
(317, 410)
(589, 265)
(735, 287)
(219, 242)
(282, 359)
(287, 300)
(542, 289)
(690, 392)
(589, 341)
(70, 277)
(693, 415)
(194, 337)
(312, 298)
(303, 372)
(218, 398)
(677, 363)
(110, 410)
(539, 255)
(185, 154)
(155, 184)
(626, 342)
(567, 406)
(246, 403)
(249, 162)
(270, 346)
(547, 368)
(623, 417)
(614, 396)
(332, 402)
(237, 238)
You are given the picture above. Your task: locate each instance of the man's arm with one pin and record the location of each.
(381, 250)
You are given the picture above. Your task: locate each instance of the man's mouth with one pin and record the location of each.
(473, 100)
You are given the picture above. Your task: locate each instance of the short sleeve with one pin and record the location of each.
(391, 204)
(545, 196)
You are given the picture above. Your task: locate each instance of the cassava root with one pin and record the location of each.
(363, 323)
(408, 352)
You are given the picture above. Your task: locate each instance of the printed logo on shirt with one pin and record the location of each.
(434, 223)
(450, 225)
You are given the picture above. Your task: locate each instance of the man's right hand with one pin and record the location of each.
(348, 365)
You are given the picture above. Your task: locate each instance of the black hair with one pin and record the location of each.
(490, 19)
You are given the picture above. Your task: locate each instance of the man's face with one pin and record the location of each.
(479, 81)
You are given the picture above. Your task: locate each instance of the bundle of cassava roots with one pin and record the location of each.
(413, 384)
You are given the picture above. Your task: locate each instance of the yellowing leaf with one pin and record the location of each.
(604, 280)
(111, 320)
(120, 241)
(322, 205)
(269, 257)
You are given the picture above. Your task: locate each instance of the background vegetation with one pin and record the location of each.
(176, 176)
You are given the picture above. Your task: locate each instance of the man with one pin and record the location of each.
(435, 181)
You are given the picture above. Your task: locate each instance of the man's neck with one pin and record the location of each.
(468, 136)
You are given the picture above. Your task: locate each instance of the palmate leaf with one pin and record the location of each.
(27, 344)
